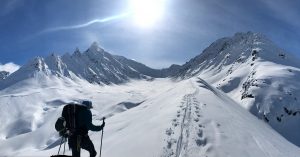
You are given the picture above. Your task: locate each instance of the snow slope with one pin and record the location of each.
(201, 114)
(145, 118)
(257, 74)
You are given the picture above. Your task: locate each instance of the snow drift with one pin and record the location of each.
(197, 109)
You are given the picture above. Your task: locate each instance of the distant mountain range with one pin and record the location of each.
(248, 67)
(94, 65)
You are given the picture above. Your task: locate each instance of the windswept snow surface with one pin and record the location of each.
(260, 76)
(203, 114)
(158, 118)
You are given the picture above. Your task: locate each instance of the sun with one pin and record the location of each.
(146, 12)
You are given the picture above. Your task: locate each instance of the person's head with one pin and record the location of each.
(87, 103)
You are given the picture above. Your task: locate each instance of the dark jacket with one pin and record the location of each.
(83, 119)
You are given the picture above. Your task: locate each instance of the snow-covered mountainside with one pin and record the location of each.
(94, 65)
(156, 118)
(3, 75)
(199, 113)
(257, 74)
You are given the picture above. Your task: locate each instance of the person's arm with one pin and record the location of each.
(90, 125)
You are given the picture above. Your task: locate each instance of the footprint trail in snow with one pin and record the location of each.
(185, 136)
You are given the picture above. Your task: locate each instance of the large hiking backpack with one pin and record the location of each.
(69, 123)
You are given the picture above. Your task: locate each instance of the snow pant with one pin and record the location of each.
(76, 142)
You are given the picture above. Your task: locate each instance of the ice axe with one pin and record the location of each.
(102, 136)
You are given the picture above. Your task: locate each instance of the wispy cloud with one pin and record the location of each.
(9, 67)
(107, 19)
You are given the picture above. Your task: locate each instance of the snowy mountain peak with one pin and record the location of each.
(38, 64)
(56, 66)
(77, 52)
(3, 75)
(94, 65)
(240, 48)
(249, 34)
(95, 47)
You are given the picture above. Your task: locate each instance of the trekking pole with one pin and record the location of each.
(65, 141)
(102, 137)
(60, 145)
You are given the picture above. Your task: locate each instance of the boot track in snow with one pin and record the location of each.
(186, 134)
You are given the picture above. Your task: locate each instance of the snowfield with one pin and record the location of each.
(144, 118)
(238, 98)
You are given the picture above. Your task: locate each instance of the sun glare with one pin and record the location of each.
(147, 12)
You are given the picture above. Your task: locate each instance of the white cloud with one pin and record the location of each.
(86, 24)
(10, 67)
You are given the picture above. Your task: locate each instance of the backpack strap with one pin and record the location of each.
(72, 116)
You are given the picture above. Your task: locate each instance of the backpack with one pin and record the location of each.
(69, 123)
(60, 126)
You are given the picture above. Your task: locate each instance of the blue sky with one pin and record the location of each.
(181, 30)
